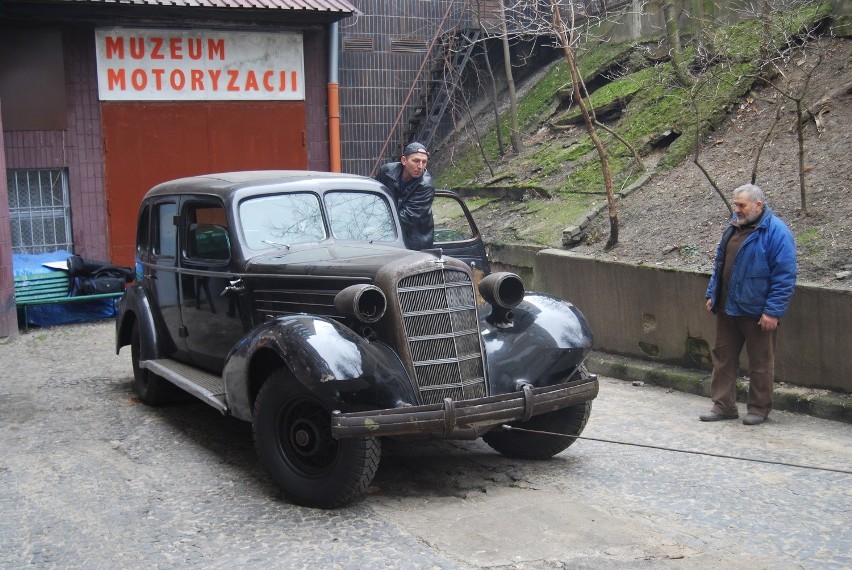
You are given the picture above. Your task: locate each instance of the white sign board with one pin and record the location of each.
(190, 65)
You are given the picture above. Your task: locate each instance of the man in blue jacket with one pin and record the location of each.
(752, 283)
(414, 191)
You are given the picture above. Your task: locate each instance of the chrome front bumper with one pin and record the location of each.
(467, 419)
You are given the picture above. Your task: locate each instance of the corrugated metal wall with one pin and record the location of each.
(382, 50)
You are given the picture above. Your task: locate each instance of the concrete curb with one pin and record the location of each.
(823, 404)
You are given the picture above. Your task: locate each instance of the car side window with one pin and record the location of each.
(207, 237)
(142, 229)
(165, 232)
(451, 223)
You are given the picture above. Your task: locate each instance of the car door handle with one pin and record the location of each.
(236, 286)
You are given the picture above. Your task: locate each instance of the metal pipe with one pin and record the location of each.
(333, 100)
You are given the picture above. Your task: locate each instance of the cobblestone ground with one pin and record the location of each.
(91, 478)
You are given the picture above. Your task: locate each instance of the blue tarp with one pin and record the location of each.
(58, 313)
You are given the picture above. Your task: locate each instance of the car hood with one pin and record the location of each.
(331, 259)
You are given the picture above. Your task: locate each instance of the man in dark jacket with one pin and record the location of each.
(752, 283)
(413, 190)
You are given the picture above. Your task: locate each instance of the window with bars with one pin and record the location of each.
(39, 210)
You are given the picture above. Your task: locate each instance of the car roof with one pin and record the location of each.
(246, 183)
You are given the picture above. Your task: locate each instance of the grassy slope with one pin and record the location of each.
(562, 163)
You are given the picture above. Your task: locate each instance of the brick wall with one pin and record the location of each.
(78, 148)
(84, 146)
(316, 94)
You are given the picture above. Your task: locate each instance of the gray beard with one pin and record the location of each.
(740, 222)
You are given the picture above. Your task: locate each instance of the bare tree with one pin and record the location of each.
(791, 51)
(567, 36)
(492, 84)
(796, 92)
(702, 17)
(763, 142)
(558, 20)
(514, 133)
(707, 82)
(670, 15)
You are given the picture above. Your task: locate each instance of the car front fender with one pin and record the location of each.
(344, 370)
(546, 342)
(134, 309)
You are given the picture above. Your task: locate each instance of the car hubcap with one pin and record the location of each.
(306, 436)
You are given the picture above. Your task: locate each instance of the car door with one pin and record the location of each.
(456, 233)
(160, 277)
(210, 302)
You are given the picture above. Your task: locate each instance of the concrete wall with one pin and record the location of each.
(658, 315)
(645, 19)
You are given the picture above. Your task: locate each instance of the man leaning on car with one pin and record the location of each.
(413, 191)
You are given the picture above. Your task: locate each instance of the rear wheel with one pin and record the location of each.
(152, 389)
(524, 445)
(292, 433)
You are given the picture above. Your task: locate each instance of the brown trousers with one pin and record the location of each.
(731, 334)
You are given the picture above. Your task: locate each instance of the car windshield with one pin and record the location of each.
(281, 220)
(359, 216)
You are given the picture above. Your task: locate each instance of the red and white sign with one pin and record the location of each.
(188, 65)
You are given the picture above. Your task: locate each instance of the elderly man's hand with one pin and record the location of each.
(768, 323)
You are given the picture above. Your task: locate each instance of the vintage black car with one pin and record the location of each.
(287, 299)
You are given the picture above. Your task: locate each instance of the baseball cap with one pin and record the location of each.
(413, 148)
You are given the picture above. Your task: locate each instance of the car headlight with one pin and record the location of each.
(503, 291)
(364, 303)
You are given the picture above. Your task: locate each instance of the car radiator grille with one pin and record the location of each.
(439, 313)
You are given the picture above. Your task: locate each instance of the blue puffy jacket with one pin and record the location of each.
(764, 273)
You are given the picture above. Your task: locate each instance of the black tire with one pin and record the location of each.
(292, 435)
(524, 445)
(150, 388)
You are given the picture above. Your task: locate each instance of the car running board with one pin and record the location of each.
(207, 387)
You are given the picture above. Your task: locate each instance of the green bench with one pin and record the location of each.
(49, 288)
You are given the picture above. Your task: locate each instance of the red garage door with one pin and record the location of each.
(149, 143)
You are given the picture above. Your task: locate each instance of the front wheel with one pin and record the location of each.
(292, 434)
(569, 422)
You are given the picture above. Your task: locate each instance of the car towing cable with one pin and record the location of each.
(692, 452)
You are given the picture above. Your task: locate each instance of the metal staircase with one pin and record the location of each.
(441, 84)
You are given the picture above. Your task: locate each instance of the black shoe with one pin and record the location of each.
(753, 419)
(712, 416)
